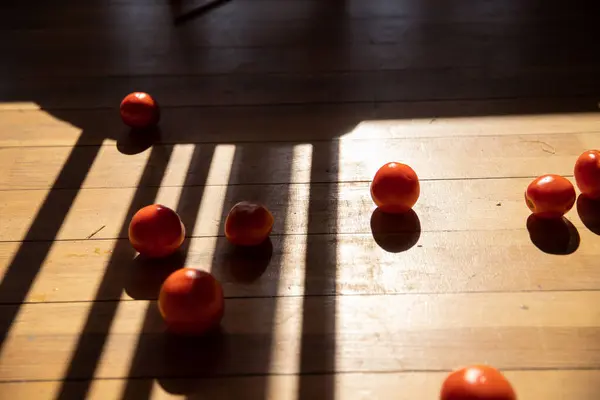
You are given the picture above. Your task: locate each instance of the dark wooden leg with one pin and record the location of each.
(200, 10)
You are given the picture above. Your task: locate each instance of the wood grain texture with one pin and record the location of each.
(352, 160)
(446, 205)
(558, 385)
(308, 88)
(432, 262)
(291, 35)
(20, 125)
(559, 330)
(74, 14)
(277, 46)
(289, 102)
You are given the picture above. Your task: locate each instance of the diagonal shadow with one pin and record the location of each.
(93, 336)
(149, 343)
(318, 347)
(25, 266)
(230, 353)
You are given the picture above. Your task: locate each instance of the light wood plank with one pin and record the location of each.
(308, 88)
(22, 127)
(433, 158)
(347, 264)
(547, 385)
(559, 330)
(457, 205)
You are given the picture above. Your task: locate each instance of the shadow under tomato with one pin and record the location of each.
(395, 232)
(190, 357)
(146, 275)
(553, 236)
(589, 213)
(247, 264)
(137, 141)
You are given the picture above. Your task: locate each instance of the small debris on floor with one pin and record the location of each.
(498, 204)
(95, 232)
(524, 307)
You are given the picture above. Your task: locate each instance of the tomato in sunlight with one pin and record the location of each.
(139, 110)
(477, 382)
(550, 196)
(156, 231)
(248, 224)
(395, 188)
(191, 302)
(587, 173)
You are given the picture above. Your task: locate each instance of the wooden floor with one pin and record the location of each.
(296, 103)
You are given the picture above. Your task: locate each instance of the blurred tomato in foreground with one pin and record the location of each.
(477, 382)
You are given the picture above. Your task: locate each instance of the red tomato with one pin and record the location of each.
(477, 382)
(550, 196)
(395, 188)
(248, 224)
(191, 302)
(139, 110)
(587, 173)
(156, 231)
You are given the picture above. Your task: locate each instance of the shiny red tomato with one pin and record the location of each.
(191, 302)
(550, 196)
(477, 382)
(156, 231)
(395, 188)
(139, 110)
(587, 173)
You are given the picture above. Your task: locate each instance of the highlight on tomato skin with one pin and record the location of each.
(395, 188)
(477, 382)
(156, 231)
(191, 302)
(550, 196)
(248, 224)
(139, 110)
(587, 174)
